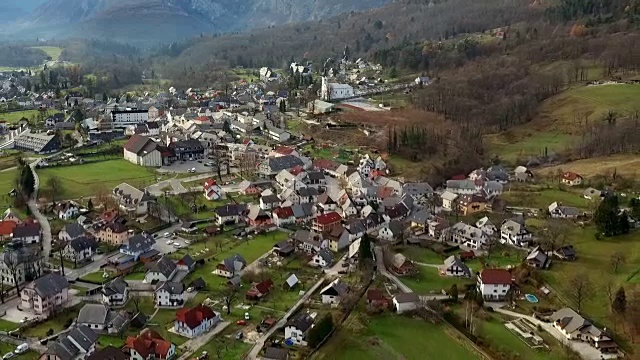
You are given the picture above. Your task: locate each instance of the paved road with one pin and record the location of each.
(191, 345)
(383, 270)
(584, 349)
(255, 350)
(47, 238)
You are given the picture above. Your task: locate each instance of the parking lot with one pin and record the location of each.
(185, 166)
(164, 247)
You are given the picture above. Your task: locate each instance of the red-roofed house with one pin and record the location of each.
(202, 120)
(108, 215)
(295, 171)
(195, 321)
(459, 177)
(326, 166)
(6, 229)
(150, 345)
(259, 290)
(212, 191)
(571, 179)
(283, 216)
(284, 150)
(326, 222)
(494, 283)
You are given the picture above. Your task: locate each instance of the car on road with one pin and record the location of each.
(177, 246)
(187, 242)
(8, 356)
(24, 320)
(342, 272)
(169, 242)
(166, 234)
(190, 289)
(241, 322)
(21, 348)
(239, 335)
(200, 161)
(345, 264)
(246, 316)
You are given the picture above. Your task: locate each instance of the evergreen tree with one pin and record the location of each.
(453, 293)
(606, 217)
(27, 181)
(619, 305)
(320, 331)
(364, 252)
(634, 204)
(90, 205)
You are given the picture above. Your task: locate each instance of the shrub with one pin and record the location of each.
(50, 332)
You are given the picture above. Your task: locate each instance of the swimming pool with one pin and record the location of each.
(531, 298)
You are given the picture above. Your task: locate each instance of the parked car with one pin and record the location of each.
(241, 322)
(21, 348)
(246, 316)
(166, 234)
(239, 335)
(177, 246)
(190, 289)
(169, 242)
(8, 356)
(187, 242)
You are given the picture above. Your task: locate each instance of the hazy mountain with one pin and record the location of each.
(12, 9)
(168, 20)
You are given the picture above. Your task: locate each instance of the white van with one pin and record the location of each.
(21, 348)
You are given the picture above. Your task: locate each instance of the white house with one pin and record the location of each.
(132, 200)
(124, 118)
(101, 319)
(163, 270)
(115, 292)
(514, 232)
(571, 179)
(80, 249)
(404, 302)
(391, 231)
(212, 191)
(494, 284)
(152, 345)
(144, 151)
(28, 233)
(138, 245)
(231, 266)
(334, 292)
(169, 294)
(486, 226)
(297, 327)
(45, 294)
(448, 200)
(66, 210)
(453, 266)
(324, 258)
(574, 327)
(334, 91)
(563, 212)
(195, 321)
(468, 235)
(283, 216)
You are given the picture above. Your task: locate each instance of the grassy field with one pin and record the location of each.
(57, 323)
(6, 325)
(561, 118)
(543, 198)
(429, 280)
(392, 338)
(51, 51)
(625, 165)
(7, 181)
(97, 277)
(15, 116)
(85, 180)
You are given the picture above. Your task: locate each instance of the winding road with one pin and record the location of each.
(47, 238)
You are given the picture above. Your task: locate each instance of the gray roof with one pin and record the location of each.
(164, 266)
(83, 336)
(403, 298)
(50, 285)
(461, 184)
(93, 314)
(591, 192)
(230, 210)
(570, 320)
(537, 255)
(234, 263)
(315, 175)
(307, 191)
(170, 287)
(63, 349)
(115, 286)
(420, 216)
(326, 255)
(336, 288)
(355, 227)
(301, 322)
(455, 261)
(141, 242)
(270, 199)
(130, 194)
(512, 227)
(272, 353)
(277, 164)
(292, 280)
(302, 210)
(235, 281)
(417, 189)
(187, 260)
(497, 175)
(74, 230)
(396, 227)
(83, 243)
(26, 230)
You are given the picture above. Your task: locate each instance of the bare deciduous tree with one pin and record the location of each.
(617, 260)
(579, 289)
(228, 296)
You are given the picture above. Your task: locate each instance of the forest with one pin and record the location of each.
(21, 56)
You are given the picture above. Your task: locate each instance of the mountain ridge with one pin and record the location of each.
(170, 20)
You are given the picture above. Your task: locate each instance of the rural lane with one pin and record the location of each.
(47, 238)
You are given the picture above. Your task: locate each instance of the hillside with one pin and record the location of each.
(137, 21)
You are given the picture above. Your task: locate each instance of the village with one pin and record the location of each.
(200, 224)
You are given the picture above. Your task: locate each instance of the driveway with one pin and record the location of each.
(586, 351)
(182, 167)
(191, 345)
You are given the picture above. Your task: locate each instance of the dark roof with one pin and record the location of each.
(277, 164)
(198, 283)
(165, 266)
(26, 230)
(186, 261)
(326, 255)
(315, 175)
(153, 125)
(301, 322)
(229, 263)
(136, 143)
(336, 288)
(141, 242)
(108, 353)
(50, 285)
(307, 191)
(272, 353)
(139, 320)
(63, 349)
(170, 287)
(270, 199)
(115, 286)
(83, 336)
(83, 243)
(74, 230)
(230, 210)
(402, 298)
